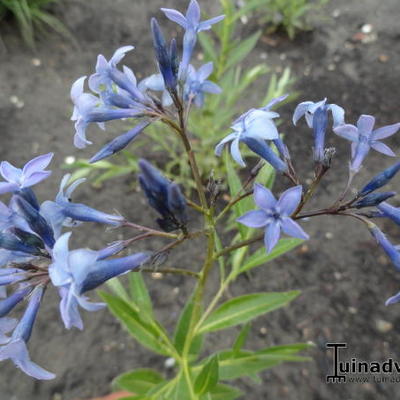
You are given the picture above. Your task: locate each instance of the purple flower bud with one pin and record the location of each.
(119, 143)
(381, 179)
(374, 199)
(12, 243)
(261, 148)
(35, 220)
(165, 64)
(177, 203)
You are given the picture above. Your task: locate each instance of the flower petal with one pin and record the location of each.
(220, 146)
(263, 197)
(193, 14)
(254, 219)
(35, 178)
(206, 25)
(382, 148)
(347, 131)
(211, 87)
(392, 300)
(337, 114)
(272, 234)
(385, 131)
(6, 187)
(37, 164)
(175, 16)
(365, 124)
(205, 71)
(9, 172)
(235, 151)
(300, 110)
(293, 229)
(119, 54)
(289, 200)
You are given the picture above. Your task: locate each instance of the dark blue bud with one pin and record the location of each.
(10, 302)
(119, 143)
(35, 221)
(374, 199)
(320, 123)
(261, 148)
(173, 51)
(29, 195)
(163, 57)
(29, 238)
(12, 243)
(381, 179)
(177, 203)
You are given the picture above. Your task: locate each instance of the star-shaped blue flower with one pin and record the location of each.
(274, 215)
(364, 137)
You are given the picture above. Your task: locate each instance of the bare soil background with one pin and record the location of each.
(343, 276)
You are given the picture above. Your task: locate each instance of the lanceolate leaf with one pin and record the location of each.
(245, 308)
(140, 381)
(242, 337)
(208, 377)
(260, 257)
(140, 294)
(225, 392)
(144, 332)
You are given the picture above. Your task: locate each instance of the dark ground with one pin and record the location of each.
(343, 276)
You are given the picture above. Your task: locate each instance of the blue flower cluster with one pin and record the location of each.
(34, 254)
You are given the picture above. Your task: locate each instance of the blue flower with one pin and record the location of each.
(63, 212)
(89, 108)
(274, 215)
(78, 271)
(32, 173)
(364, 137)
(197, 84)
(192, 25)
(389, 211)
(308, 108)
(15, 349)
(255, 124)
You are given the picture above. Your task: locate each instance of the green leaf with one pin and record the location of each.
(245, 308)
(242, 337)
(181, 390)
(261, 257)
(225, 392)
(208, 377)
(243, 50)
(144, 332)
(140, 294)
(233, 366)
(118, 289)
(266, 176)
(140, 381)
(207, 45)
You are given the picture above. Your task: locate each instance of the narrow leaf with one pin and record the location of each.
(208, 377)
(140, 294)
(140, 381)
(245, 308)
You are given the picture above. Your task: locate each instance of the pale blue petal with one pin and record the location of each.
(9, 172)
(77, 89)
(254, 219)
(392, 300)
(365, 124)
(292, 228)
(37, 164)
(220, 146)
(385, 131)
(35, 178)
(120, 54)
(289, 200)
(235, 152)
(211, 87)
(275, 101)
(263, 197)
(347, 131)
(300, 110)
(272, 234)
(193, 14)
(205, 71)
(175, 16)
(207, 24)
(382, 148)
(6, 187)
